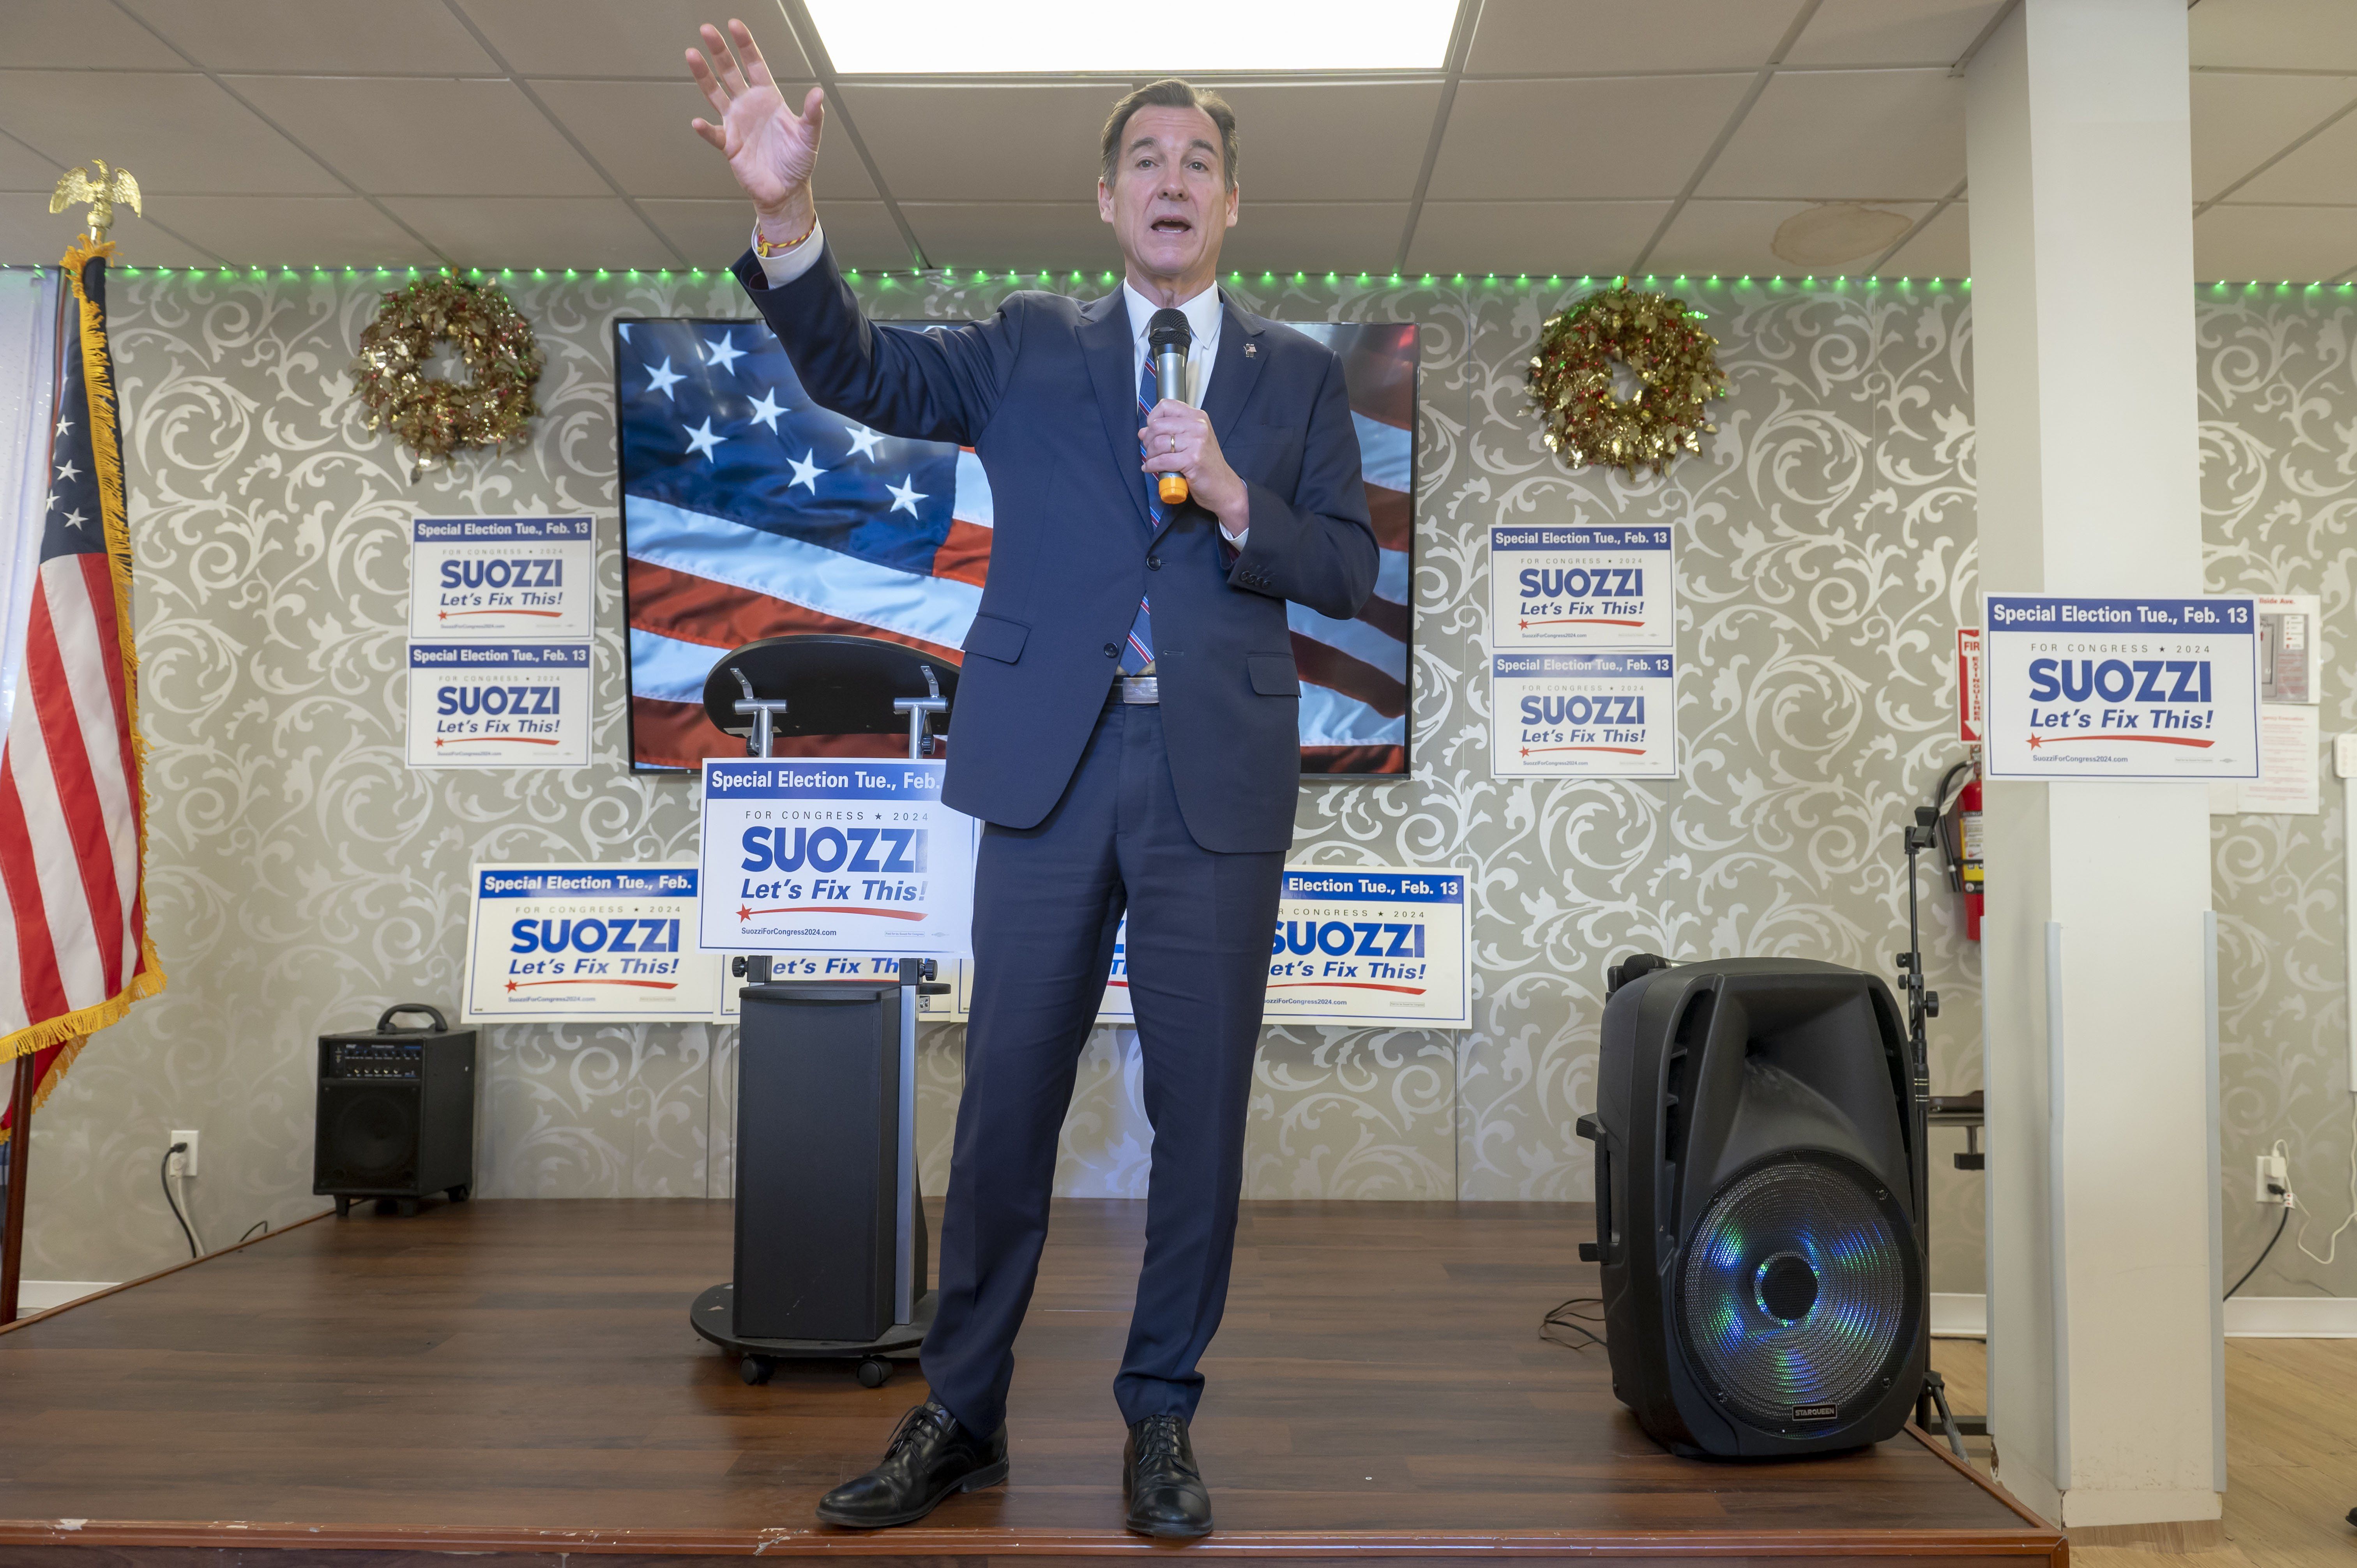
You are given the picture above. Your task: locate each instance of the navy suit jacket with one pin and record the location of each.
(1046, 393)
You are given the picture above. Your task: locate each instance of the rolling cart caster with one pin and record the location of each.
(343, 1207)
(756, 1370)
(874, 1372)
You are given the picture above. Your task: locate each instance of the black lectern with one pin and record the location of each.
(831, 1244)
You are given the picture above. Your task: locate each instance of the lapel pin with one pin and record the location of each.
(1250, 350)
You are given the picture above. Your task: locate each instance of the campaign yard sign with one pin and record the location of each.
(499, 705)
(1362, 946)
(850, 855)
(1560, 587)
(2154, 689)
(576, 943)
(1592, 715)
(502, 579)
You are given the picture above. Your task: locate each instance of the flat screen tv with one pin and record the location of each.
(748, 511)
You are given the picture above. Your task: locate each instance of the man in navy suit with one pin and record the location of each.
(1127, 729)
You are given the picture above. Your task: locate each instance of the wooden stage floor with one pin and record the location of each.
(519, 1380)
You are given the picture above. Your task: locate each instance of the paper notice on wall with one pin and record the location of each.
(2288, 763)
(2289, 665)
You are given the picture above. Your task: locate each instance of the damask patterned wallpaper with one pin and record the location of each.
(303, 878)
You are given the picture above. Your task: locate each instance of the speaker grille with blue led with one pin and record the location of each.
(1795, 1292)
(1760, 1178)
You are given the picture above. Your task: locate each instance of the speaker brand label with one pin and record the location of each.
(2157, 690)
(502, 579)
(1816, 1412)
(498, 704)
(585, 943)
(1352, 945)
(1592, 715)
(1559, 586)
(835, 855)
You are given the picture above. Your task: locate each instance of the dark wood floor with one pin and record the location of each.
(519, 1378)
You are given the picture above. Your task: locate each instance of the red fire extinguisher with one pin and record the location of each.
(1969, 824)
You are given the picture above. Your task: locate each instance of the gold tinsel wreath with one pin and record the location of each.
(1571, 381)
(433, 418)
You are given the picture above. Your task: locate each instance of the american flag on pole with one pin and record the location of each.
(72, 814)
(750, 511)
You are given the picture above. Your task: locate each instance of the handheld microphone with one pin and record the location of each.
(1167, 339)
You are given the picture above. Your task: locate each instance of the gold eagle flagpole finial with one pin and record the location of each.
(111, 187)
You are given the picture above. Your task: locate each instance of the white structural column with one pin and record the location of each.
(2101, 1328)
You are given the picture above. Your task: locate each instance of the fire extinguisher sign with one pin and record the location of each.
(2155, 690)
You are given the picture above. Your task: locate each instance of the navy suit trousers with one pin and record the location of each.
(1048, 900)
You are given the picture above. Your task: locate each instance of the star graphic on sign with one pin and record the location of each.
(1526, 751)
(863, 442)
(2034, 741)
(720, 351)
(75, 520)
(766, 412)
(906, 494)
(511, 984)
(743, 913)
(663, 378)
(806, 473)
(65, 470)
(1526, 625)
(703, 440)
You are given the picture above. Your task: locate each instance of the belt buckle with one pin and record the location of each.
(1140, 688)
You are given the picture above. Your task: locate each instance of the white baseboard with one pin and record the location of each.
(39, 1295)
(2247, 1317)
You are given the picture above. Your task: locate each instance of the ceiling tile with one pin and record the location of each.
(1863, 135)
(1540, 38)
(2240, 120)
(1621, 137)
(328, 38)
(1567, 238)
(1892, 32)
(2322, 169)
(2301, 244)
(422, 138)
(973, 142)
(1330, 141)
(534, 230)
(715, 233)
(75, 35)
(21, 169)
(1941, 249)
(1731, 238)
(297, 231)
(2283, 34)
(177, 133)
(620, 38)
(1315, 236)
(1023, 235)
(638, 131)
(30, 233)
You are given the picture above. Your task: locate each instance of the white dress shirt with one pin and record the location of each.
(1203, 320)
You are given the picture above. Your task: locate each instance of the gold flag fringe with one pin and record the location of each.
(97, 381)
(51, 1079)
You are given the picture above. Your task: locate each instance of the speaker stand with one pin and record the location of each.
(714, 1313)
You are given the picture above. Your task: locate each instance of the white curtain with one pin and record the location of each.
(28, 348)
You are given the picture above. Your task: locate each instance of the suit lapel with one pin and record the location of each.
(1107, 347)
(1234, 372)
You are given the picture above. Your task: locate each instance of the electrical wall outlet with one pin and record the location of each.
(2274, 1179)
(188, 1135)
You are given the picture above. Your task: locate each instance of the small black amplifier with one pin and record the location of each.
(396, 1114)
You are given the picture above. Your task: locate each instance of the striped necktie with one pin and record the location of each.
(1137, 653)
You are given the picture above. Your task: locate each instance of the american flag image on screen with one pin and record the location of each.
(750, 511)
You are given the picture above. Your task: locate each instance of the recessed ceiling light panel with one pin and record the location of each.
(967, 38)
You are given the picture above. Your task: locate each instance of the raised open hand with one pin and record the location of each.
(771, 149)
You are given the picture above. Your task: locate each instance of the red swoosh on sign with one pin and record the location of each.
(552, 615)
(1616, 750)
(648, 984)
(497, 740)
(1347, 986)
(826, 909)
(2155, 739)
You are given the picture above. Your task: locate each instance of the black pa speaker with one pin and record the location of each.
(396, 1113)
(1759, 1207)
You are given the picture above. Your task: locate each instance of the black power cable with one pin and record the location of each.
(2261, 1258)
(1564, 1317)
(257, 1225)
(164, 1175)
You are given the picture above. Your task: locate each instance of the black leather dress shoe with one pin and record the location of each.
(930, 1458)
(1159, 1481)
